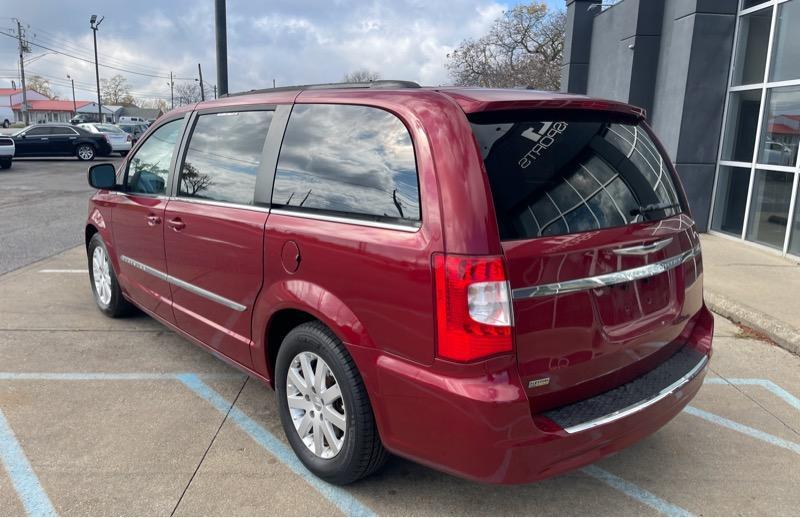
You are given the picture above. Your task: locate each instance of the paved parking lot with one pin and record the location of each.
(107, 417)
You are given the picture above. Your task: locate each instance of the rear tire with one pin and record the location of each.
(85, 152)
(6, 123)
(358, 451)
(105, 288)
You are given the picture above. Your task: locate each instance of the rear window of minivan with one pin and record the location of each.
(554, 175)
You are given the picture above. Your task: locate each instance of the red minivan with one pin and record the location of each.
(500, 284)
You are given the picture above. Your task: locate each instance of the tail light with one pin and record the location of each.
(473, 307)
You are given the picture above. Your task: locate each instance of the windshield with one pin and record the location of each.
(553, 177)
(21, 130)
(108, 128)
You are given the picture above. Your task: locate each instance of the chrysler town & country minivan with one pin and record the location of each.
(500, 284)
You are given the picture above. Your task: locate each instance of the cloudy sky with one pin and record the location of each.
(291, 41)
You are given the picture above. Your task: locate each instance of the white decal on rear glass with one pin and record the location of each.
(544, 138)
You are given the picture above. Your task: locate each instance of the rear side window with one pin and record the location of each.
(348, 160)
(552, 177)
(223, 156)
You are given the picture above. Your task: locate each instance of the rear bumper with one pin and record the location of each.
(482, 428)
(124, 146)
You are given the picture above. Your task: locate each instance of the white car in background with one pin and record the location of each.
(7, 149)
(121, 142)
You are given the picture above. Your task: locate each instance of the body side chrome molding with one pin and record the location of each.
(197, 290)
(606, 279)
(348, 221)
(636, 407)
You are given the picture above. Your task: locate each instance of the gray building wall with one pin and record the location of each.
(670, 57)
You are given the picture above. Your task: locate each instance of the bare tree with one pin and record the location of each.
(523, 48)
(160, 104)
(41, 85)
(186, 93)
(361, 76)
(115, 91)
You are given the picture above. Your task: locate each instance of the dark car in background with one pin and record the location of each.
(60, 140)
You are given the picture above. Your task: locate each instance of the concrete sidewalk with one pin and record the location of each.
(753, 287)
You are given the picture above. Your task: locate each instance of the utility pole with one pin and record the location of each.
(202, 90)
(94, 24)
(23, 47)
(273, 83)
(74, 105)
(222, 46)
(215, 91)
(171, 91)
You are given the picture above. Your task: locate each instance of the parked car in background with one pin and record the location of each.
(135, 130)
(83, 118)
(6, 116)
(7, 150)
(121, 141)
(138, 120)
(60, 140)
(501, 284)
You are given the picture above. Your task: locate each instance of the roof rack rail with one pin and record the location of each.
(381, 83)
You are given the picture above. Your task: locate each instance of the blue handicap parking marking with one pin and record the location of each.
(29, 490)
(637, 493)
(344, 500)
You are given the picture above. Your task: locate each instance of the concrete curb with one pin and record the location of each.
(781, 333)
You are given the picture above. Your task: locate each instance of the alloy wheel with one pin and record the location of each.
(101, 274)
(316, 405)
(85, 153)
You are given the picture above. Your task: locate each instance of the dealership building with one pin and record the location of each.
(720, 80)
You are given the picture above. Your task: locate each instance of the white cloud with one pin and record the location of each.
(292, 41)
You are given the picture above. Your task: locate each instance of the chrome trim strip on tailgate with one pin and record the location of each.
(197, 290)
(636, 407)
(606, 279)
(643, 249)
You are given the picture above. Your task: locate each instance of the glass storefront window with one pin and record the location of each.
(786, 46)
(731, 200)
(751, 48)
(794, 234)
(769, 211)
(750, 3)
(780, 133)
(741, 125)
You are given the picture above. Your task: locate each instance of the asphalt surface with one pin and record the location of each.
(109, 417)
(43, 204)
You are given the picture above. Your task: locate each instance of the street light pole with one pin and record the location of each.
(222, 46)
(74, 105)
(94, 24)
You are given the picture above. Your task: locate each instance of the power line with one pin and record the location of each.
(54, 39)
(92, 62)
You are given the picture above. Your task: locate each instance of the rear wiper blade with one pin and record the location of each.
(653, 207)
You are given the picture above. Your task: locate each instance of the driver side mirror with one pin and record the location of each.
(102, 176)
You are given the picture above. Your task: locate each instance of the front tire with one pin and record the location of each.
(324, 407)
(106, 290)
(6, 123)
(5, 163)
(85, 152)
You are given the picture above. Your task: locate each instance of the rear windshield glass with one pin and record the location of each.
(552, 177)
